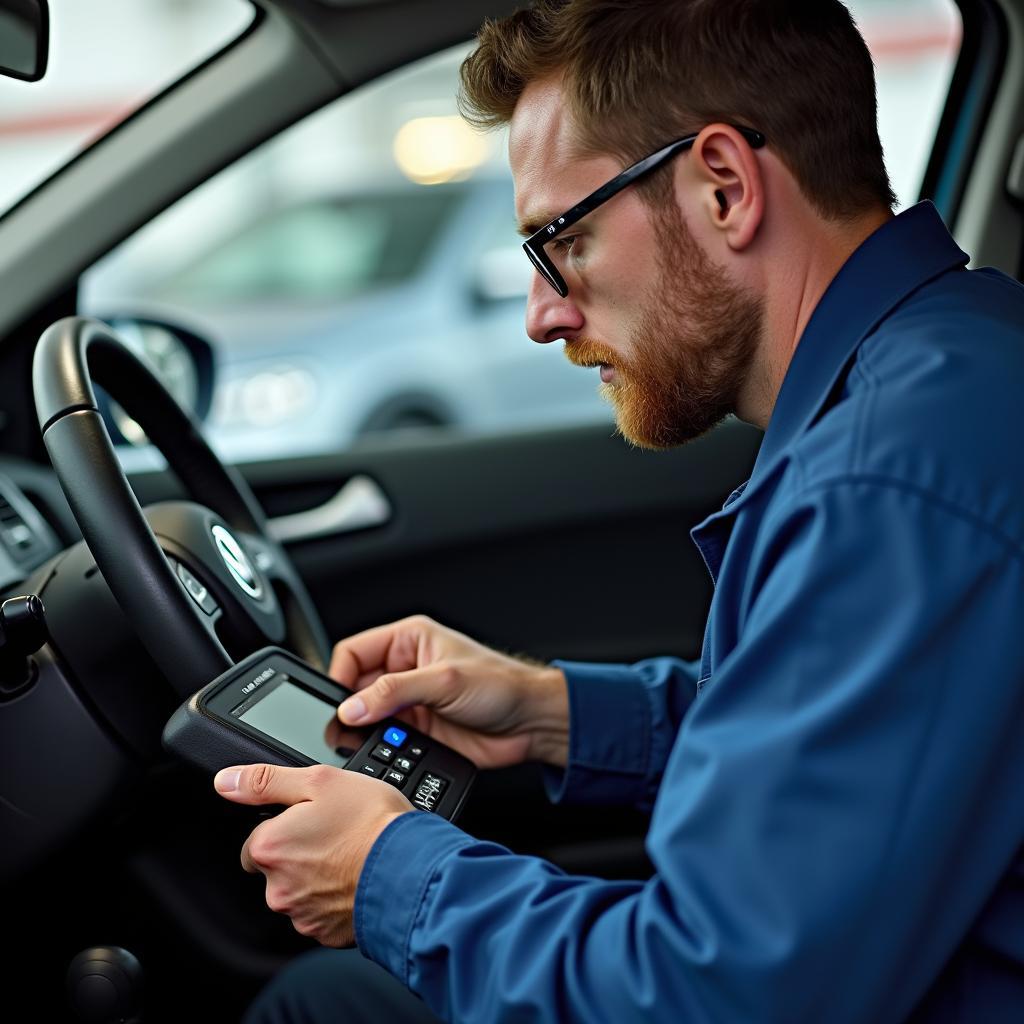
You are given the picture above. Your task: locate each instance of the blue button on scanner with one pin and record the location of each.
(394, 736)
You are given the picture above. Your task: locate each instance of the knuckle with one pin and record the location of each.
(320, 775)
(386, 688)
(261, 851)
(277, 900)
(261, 778)
(447, 678)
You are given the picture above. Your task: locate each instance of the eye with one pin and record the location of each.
(563, 245)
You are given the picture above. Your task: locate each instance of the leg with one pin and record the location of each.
(336, 986)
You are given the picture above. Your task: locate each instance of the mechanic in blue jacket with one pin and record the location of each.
(837, 786)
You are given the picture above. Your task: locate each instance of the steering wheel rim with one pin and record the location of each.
(69, 356)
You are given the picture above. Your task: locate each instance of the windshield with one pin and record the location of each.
(107, 58)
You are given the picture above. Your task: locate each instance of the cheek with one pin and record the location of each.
(623, 318)
(633, 245)
(622, 273)
(617, 290)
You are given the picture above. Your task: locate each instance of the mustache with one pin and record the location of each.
(586, 352)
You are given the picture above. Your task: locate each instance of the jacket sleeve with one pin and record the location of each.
(623, 721)
(840, 802)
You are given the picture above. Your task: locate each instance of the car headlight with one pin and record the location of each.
(264, 399)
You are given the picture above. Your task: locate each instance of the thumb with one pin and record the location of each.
(390, 694)
(263, 784)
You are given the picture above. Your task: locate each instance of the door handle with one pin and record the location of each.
(359, 505)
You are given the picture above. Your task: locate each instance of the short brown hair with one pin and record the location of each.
(639, 73)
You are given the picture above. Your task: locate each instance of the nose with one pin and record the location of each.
(549, 316)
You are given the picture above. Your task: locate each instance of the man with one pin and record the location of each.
(838, 784)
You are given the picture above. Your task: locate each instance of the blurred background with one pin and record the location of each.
(359, 273)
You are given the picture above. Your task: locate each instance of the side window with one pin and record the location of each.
(914, 44)
(316, 249)
(361, 272)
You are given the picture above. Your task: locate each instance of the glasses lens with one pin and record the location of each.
(548, 272)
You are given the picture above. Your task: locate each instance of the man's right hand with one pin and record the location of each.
(495, 709)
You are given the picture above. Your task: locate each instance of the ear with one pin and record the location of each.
(730, 183)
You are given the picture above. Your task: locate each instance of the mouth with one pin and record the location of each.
(585, 353)
(607, 370)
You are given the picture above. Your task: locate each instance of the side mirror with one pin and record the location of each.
(24, 38)
(182, 360)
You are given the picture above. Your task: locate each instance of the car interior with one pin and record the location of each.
(555, 542)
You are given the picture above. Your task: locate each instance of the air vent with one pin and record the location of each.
(23, 533)
(15, 531)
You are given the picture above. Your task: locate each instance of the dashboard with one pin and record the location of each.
(35, 521)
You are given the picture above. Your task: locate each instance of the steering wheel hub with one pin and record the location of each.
(241, 569)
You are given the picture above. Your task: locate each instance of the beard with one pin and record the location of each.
(689, 353)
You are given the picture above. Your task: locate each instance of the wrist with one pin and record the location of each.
(549, 718)
(374, 832)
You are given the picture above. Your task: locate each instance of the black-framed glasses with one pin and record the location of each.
(534, 245)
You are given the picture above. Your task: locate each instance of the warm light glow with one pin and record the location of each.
(430, 150)
(265, 398)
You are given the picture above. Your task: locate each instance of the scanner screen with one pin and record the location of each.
(293, 716)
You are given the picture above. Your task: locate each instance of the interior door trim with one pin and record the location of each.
(360, 504)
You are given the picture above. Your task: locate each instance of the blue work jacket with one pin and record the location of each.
(837, 786)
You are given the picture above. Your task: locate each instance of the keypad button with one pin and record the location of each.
(415, 752)
(403, 764)
(429, 791)
(394, 736)
(371, 769)
(395, 778)
(383, 753)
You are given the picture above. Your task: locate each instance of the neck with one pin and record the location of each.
(810, 260)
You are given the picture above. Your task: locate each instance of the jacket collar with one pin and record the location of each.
(898, 258)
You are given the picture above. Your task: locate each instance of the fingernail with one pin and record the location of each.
(353, 710)
(226, 780)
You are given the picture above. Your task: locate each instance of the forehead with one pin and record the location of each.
(549, 174)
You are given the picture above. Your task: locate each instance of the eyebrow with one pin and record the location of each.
(534, 224)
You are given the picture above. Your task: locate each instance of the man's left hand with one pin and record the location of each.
(312, 853)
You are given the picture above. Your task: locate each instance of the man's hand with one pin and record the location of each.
(313, 852)
(495, 709)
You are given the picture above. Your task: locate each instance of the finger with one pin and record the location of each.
(263, 784)
(248, 863)
(360, 654)
(392, 647)
(343, 740)
(392, 692)
(366, 679)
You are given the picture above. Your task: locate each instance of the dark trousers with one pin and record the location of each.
(336, 986)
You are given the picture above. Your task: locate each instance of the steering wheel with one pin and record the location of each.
(202, 584)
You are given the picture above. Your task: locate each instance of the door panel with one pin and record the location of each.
(565, 544)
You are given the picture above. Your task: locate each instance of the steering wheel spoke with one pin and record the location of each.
(272, 562)
(209, 612)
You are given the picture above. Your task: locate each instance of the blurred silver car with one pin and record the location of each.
(340, 316)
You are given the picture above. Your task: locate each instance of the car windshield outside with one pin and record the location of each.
(106, 60)
(360, 272)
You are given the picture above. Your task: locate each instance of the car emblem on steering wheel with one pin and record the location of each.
(237, 562)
